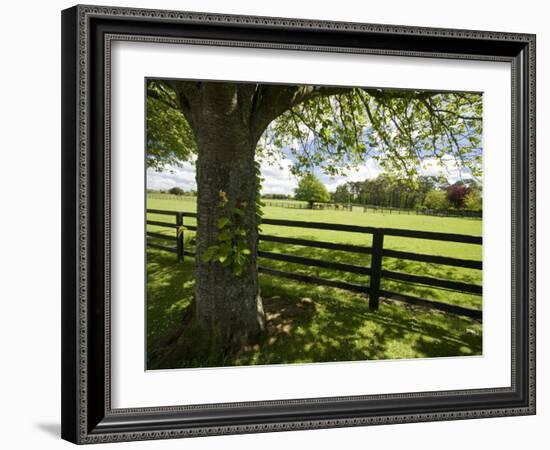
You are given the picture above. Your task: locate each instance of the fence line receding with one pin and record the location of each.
(375, 271)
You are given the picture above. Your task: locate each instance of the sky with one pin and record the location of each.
(279, 179)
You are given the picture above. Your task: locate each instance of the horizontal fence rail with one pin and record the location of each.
(444, 260)
(316, 244)
(429, 235)
(375, 271)
(349, 268)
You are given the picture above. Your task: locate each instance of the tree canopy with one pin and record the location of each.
(176, 190)
(311, 190)
(331, 129)
(169, 138)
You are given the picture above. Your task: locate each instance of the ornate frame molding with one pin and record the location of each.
(87, 422)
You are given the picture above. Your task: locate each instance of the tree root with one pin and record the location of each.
(192, 345)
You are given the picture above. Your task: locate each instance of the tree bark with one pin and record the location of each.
(228, 307)
(227, 120)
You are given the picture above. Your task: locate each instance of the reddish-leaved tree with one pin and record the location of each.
(456, 194)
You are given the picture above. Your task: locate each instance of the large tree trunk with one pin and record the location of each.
(227, 306)
(227, 120)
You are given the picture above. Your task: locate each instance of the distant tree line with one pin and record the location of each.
(176, 190)
(430, 192)
(277, 196)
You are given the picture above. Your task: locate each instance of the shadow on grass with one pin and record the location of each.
(169, 292)
(307, 324)
(399, 265)
(324, 325)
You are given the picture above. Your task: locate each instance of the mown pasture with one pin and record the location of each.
(313, 324)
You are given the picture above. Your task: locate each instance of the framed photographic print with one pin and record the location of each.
(279, 224)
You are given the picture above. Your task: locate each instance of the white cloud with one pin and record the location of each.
(183, 177)
(448, 167)
(368, 170)
(278, 178)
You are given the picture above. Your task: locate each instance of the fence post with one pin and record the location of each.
(376, 269)
(179, 236)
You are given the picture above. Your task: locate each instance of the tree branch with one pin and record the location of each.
(274, 100)
(163, 97)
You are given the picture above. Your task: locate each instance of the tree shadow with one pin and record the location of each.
(439, 271)
(170, 286)
(326, 326)
(307, 323)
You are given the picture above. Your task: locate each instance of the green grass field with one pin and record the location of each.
(312, 324)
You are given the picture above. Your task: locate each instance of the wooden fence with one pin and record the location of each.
(376, 272)
(375, 209)
(463, 213)
(305, 205)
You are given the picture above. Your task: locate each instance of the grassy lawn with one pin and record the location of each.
(313, 324)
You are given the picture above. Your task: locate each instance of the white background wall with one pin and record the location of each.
(30, 209)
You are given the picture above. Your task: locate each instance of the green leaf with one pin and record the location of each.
(240, 232)
(223, 222)
(225, 235)
(225, 248)
(209, 254)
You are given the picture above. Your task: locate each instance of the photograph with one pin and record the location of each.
(302, 224)
(281, 222)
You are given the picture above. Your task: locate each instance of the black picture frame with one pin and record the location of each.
(87, 416)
